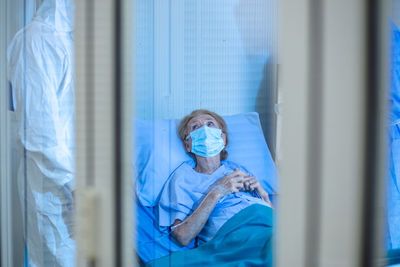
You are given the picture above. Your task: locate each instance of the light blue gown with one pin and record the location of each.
(185, 190)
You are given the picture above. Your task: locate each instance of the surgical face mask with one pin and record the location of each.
(207, 141)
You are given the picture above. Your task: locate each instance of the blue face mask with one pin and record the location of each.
(207, 141)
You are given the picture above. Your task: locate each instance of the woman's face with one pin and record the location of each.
(196, 123)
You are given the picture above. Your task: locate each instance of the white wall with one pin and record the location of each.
(396, 12)
(219, 55)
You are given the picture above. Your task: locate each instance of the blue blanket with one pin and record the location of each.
(244, 240)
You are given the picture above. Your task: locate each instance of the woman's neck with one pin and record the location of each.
(207, 165)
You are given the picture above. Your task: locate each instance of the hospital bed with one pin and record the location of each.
(159, 152)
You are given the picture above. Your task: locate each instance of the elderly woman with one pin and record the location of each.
(197, 201)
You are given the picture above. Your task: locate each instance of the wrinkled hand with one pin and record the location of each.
(229, 184)
(250, 183)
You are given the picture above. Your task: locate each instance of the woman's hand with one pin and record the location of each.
(229, 184)
(250, 183)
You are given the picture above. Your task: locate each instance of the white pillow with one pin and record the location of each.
(159, 151)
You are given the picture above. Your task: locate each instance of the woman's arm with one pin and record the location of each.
(187, 230)
(184, 232)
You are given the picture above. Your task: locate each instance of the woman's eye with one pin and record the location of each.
(210, 123)
(194, 127)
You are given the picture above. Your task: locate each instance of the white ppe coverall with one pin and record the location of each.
(40, 75)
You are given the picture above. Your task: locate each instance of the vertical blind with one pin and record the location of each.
(218, 55)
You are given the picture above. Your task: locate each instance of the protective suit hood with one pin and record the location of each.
(58, 13)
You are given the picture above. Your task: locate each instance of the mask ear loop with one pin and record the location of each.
(187, 136)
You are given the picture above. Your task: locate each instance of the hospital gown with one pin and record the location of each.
(185, 190)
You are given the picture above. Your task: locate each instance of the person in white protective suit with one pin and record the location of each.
(40, 74)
